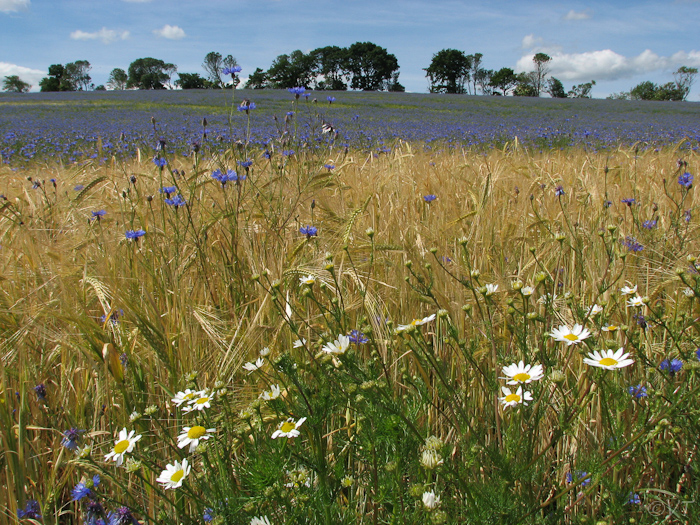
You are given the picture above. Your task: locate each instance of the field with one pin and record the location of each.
(442, 310)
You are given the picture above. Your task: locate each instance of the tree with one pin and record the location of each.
(448, 71)
(14, 84)
(477, 72)
(504, 79)
(330, 64)
(169, 70)
(555, 88)
(525, 86)
(482, 78)
(76, 77)
(582, 90)
(148, 73)
(53, 81)
(212, 65)
(191, 81)
(669, 91)
(394, 85)
(541, 61)
(370, 66)
(293, 70)
(117, 79)
(644, 91)
(257, 79)
(685, 78)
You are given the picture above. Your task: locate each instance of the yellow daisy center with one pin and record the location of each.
(287, 427)
(196, 432)
(571, 337)
(202, 400)
(189, 396)
(608, 361)
(177, 475)
(522, 377)
(612, 328)
(120, 447)
(512, 397)
(415, 322)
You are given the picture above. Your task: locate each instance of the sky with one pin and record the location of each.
(617, 43)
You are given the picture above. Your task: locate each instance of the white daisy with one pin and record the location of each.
(570, 336)
(273, 393)
(626, 290)
(339, 346)
(199, 403)
(511, 399)
(264, 352)
(635, 301)
(491, 289)
(288, 429)
(430, 500)
(527, 291)
(124, 444)
(173, 475)
(262, 520)
(415, 322)
(548, 299)
(252, 367)
(608, 359)
(522, 373)
(192, 435)
(299, 343)
(610, 328)
(594, 310)
(309, 279)
(184, 397)
(688, 292)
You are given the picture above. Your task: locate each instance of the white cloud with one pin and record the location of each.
(106, 35)
(530, 41)
(608, 65)
(573, 15)
(32, 76)
(170, 32)
(10, 6)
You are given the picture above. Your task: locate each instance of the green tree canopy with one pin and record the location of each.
(331, 65)
(582, 90)
(191, 81)
(71, 77)
(117, 79)
(685, 78)
(555, 88)
(295, 69)
(504, 79)
(449, 71)
(257, 79)
(541, 61)
(371, 67)
(149, 73)
(14, 84)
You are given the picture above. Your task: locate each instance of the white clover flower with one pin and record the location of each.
(288, 429)
(415, 322)
(511, 399)
(570, 336)
(124, 445)
(252, 367)
(173, 475)
(339, 346)
(608, 359)
(192, 435)
(522, 373)
(273, 393)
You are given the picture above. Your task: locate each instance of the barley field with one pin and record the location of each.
(299, 328)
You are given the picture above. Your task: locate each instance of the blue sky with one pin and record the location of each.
(618, 43)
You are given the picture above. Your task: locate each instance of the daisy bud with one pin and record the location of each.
(433, 250)
(475, 274)
(532, 316)
(557, 377)
(691, 259)
(369, 232)
(540, 277)
(680, 271)
(560, 237)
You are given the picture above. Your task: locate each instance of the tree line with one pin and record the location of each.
(362, 66)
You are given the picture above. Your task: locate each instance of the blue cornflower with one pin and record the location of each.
(687, 216)
(231, 70)
(357, 337)
(330, 99)
(309, 231)
(168, 190)
(176, 201)
(607, 204)
(94, 513)
(686, 180)
(429, 198)
(559, 191)
(71, 438)
(81, 491)
(697, 354)
(287, 152)
(53, 181)
(246, 106)
(629, 202)
(134, 234)
(245, 163)
(296, 91)
(160, 162)
(649, 225)
(329, 167)
(36, 185)
(98, 214)
(208, 515)
(40, 391)
(580, 474)
(113, 317)
(32, 511)
(632, 244)
(79, 187)
(671, 365)
(290, 113)
(638, 391)
(634, 499)
(122, 516)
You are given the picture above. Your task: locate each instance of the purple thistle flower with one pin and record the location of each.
(686, 180)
